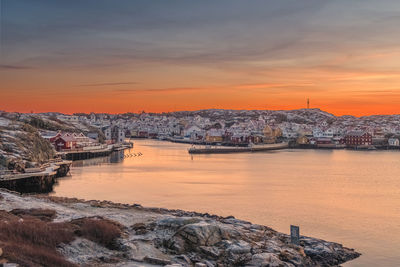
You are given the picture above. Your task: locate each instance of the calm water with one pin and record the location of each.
(350, 197)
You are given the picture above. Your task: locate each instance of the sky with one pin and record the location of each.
(167, 55)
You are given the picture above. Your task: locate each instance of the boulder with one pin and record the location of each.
(200, 234)
(174, 223)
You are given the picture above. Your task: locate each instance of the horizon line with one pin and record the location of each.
(196, 110)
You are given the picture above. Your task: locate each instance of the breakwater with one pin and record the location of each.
(223, 149)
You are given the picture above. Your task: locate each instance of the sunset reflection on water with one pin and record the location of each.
(350, 197)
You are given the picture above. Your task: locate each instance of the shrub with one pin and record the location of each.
(101, 231)
(32, 242)
(41, 214)
(31, 256)
(36, 232)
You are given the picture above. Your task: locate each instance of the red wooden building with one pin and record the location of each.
(358, 138)
(65, 142)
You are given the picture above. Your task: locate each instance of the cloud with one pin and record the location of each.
(14, 67)
(160, 90)
(109, 84)
(272, 85)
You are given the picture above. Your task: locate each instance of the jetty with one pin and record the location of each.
(38, 180)
(227, 149)
(93, 151)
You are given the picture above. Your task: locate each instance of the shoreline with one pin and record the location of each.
(290, 146)
(160, 236)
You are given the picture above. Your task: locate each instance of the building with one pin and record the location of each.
(65, 142)
(394, 142)
(114, 134)
(82, 140)
(302, 140)
(51, 136)
(214, 135)
(193, 132)
(358, 138)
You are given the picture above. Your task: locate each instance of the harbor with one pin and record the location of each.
(364, 185)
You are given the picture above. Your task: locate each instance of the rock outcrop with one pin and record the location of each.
(160, 237)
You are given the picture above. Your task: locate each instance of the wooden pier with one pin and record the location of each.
(38, 180)
(89, 153)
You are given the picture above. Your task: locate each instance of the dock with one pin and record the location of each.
(93, 152)
(38, 180)
(226, 149)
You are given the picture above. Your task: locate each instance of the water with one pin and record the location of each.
(350, 197)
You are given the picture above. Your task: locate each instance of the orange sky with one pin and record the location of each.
(336, 91)
(343, 56)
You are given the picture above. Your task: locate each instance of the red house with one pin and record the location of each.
(65, 142)
(358, 138)
(54, 138)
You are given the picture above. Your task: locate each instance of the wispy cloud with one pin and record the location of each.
(108, 84)
(272, 85)
(159, 90)
(14, 67)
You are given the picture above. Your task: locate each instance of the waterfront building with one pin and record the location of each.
(214, 135)
(114, 134)
(358, 138)
(394, 142)
(302, 140)
(65, 142)
(193, 132)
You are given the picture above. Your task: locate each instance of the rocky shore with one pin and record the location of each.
(102, 233)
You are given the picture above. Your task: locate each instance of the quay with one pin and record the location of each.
(38, 180)
(42, 179)
(93, 152)
(225, 149)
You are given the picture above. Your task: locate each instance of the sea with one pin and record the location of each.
(345, 196)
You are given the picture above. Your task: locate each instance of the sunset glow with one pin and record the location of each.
(94, 56)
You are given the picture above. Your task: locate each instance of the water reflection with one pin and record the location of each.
(351, 197)
(115, 157)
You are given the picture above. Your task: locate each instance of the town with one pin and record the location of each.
(303, 128)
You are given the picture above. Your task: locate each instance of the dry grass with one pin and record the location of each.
(32, 256)
(41, 214)
(29, 238)
(101, 231)
(32, 242)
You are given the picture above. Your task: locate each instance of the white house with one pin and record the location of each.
(192, 131)
(394, 142)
